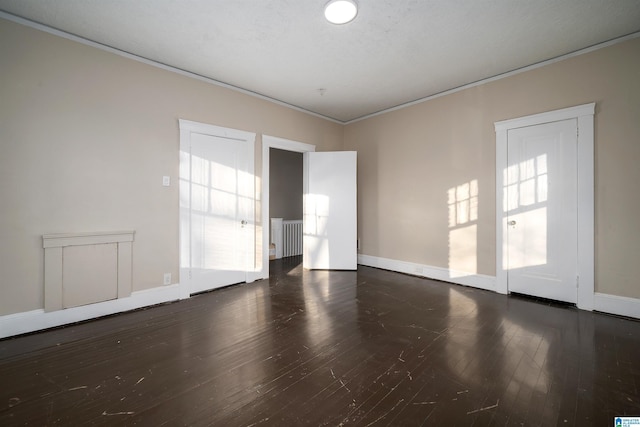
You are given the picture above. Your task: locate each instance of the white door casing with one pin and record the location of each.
(269, 142)
(584, 116)
(540, 211)
(330, 210)
(335, 169)
(217, 205)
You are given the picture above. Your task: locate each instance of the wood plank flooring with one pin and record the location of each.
(365, 348)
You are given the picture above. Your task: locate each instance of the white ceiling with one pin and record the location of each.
(394, 52)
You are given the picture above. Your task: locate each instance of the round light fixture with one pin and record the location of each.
(340, 11)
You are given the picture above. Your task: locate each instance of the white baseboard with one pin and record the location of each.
(35, 320)
(480, 281)
(30, 321)
(256, 275)
(622, 306)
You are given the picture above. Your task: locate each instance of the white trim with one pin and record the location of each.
(479, 281)
(282, 144)
(585, 120)
(31, 321)
(622, 306)
(86, 238)
(86, 42)
(213, 130)
(188, 127)
(546, 117)
(613, 304)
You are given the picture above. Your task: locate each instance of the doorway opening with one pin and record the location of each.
(287, 148)
(285, 203)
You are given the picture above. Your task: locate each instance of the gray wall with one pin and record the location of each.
(285, 184)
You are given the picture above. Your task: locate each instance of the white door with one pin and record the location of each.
(217, 205)
(540, 206)
(330, 211)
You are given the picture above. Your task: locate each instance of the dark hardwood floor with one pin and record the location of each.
(361, 348)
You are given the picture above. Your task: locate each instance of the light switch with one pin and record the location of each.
(166, 181)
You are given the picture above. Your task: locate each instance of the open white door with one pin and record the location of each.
(330, 211)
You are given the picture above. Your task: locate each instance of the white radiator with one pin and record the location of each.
(291, 238)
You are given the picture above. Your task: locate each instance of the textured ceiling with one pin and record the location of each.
(394, 52)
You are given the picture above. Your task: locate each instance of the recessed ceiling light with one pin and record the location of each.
(340, 11)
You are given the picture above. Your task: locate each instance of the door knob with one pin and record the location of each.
(512, 222)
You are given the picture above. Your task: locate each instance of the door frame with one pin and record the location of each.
(186, 129)
(269, 142)
(584, 115)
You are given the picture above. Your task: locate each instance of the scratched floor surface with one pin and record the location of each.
(329, 348)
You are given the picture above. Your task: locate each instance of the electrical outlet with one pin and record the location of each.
(167, 278)
(166, 181)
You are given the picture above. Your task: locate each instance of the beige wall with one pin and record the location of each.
(85, 138)
(410, 158)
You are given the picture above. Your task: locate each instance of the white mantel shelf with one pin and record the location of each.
(86, 238)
